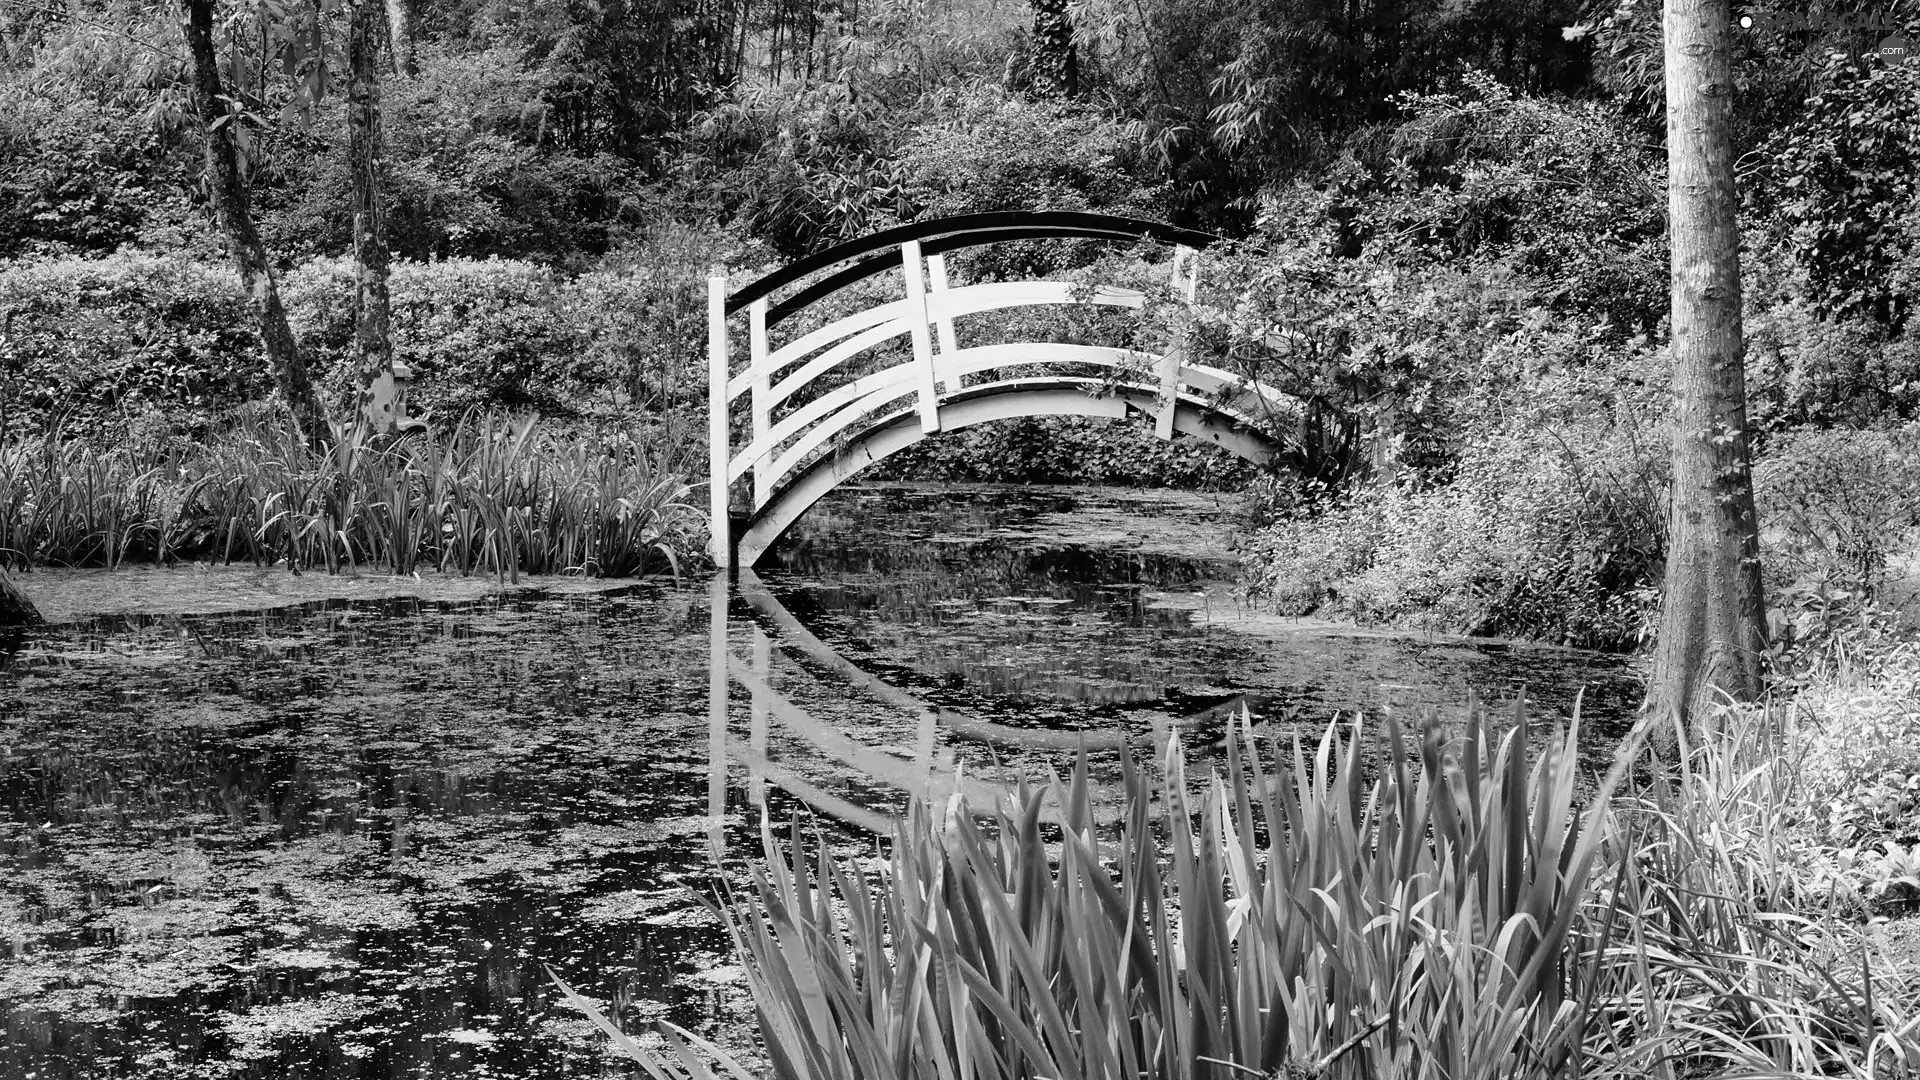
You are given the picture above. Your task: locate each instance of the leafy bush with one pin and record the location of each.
(1837, 505)
(1550, 524)
(489, 333)
(981, 149)
(98, 344)
(84, 176)
(1861, 732)
(1807, 368)
(471, 174)
(1069, 450)
(641, 314)
(801, 168)
(1848, 169)
(92, 342)
(1549, 189)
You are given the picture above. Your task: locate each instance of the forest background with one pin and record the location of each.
(1455, 211)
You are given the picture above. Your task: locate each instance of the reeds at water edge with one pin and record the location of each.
(1455, 912)
(494, 495)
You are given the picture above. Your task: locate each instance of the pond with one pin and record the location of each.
(343, 836)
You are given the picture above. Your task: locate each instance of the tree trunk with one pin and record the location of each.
(15, 608)
(372, 311)
(406, 58)
(1712, 618)
(1056, 65)
(232, 208)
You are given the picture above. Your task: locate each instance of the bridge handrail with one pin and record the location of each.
(873, 403)
(955, 233)
(949, 304)
(958, 364)
(893, 431)
(938, 369)
(866, 395)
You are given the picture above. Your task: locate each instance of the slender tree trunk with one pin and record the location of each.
(740, 53)
(1712, 619)
(15, 608)
(406, 58)
(1056, 65)
(372, 311)
(234, 212)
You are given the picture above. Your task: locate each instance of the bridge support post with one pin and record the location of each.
(719, 448)
(916, 315)
(1184, 281)
(761, 399)
(943, 321)
(1169, 400)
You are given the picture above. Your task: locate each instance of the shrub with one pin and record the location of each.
(1837, 504)
(1806, 368)
(1551, 189)
(1861, 732)
(642, 313)
(101, 344)
(982, 149)
(488, 333)
(1069, 450)
(1845, 171)
(472, 173)
(79, 176)
(1540, 532)
(800, 168)
(91, 342)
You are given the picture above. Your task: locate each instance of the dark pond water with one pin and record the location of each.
(341, 839)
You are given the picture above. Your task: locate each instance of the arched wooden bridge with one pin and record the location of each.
(796, 453)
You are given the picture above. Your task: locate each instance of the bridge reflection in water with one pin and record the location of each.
(930, 772)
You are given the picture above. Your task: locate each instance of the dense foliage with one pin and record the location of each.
(95, 344)
(1449, 224)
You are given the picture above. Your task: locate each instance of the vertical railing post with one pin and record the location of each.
(1185, 283)
(943, 323)
(762, 400)
(719, 450)
(717, 687)
(916, 315)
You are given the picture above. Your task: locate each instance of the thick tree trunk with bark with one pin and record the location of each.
(1712, 617)
(232, 206)
(372, 311)
(406, 58)
(1056, 65)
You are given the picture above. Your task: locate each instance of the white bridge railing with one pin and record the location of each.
(784, 441)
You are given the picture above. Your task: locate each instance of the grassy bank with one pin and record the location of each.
(491, 495)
